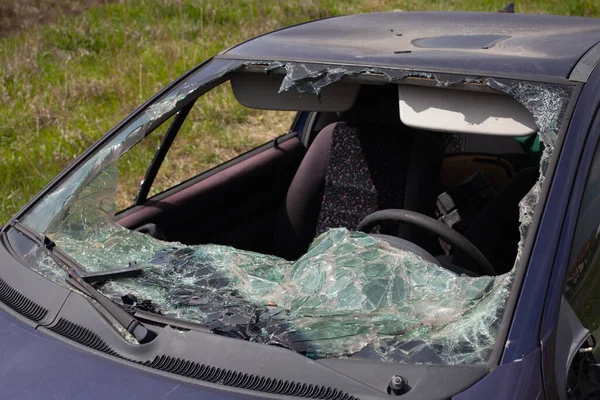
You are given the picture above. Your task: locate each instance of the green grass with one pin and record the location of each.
(66, 82)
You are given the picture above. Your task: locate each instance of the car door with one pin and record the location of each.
(577, 374)
(571, 322)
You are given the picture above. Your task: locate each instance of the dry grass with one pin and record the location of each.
(63, 85)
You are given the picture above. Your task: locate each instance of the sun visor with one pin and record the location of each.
(262, 91)
(445, 110)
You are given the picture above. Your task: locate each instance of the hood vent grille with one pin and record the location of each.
(82, 336)
(20, 303)
(245, 381)
(204, 372)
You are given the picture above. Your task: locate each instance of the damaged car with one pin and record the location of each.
(426, 227)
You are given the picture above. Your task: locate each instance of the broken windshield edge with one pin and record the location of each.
(55, 203)
(350, 295)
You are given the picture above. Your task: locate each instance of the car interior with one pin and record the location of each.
(349, 160)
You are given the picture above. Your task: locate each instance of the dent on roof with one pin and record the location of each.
(541, 45)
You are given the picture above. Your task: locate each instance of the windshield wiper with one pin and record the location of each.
(77, 279)
(128, 321)
(118, 273)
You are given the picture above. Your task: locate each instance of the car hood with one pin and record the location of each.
(36, 366)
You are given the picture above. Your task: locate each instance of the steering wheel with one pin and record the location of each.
(432, 226)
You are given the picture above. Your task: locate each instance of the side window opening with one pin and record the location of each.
(132, 166)
(217, 129)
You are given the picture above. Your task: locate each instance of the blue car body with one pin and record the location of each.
(35, 365)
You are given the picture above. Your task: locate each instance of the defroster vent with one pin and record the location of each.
(205, 372)
(21, 304)
(258, 383)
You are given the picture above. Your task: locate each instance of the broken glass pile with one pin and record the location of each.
(347, 292)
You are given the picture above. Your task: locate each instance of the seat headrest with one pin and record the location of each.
(375, 104)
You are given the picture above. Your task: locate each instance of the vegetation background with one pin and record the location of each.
(71, 69)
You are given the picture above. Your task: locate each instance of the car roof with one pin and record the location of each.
(491, 44)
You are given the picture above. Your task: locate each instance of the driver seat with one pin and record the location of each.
(367, 162)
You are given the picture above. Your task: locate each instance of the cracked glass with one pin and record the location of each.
(349, 295)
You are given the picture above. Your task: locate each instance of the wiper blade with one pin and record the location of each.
(118, 273)
(77, 278)
(175, 322)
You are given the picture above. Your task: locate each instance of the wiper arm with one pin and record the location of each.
(77, 279)
(131, 324)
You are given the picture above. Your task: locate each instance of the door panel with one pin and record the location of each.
(236, 206)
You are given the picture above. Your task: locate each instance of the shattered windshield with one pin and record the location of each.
(349, 295)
